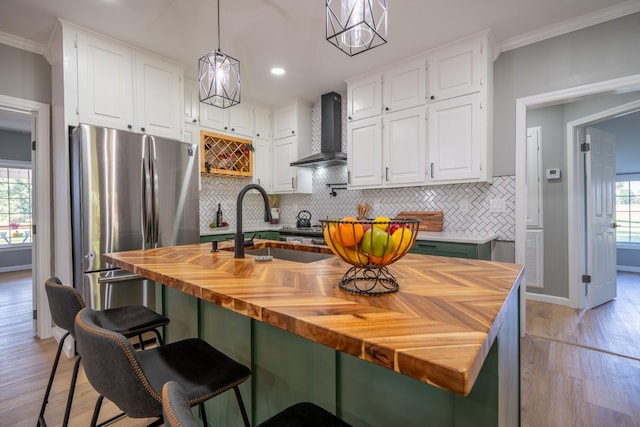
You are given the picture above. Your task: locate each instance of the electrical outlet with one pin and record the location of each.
(497, 205)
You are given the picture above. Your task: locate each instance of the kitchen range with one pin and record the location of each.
(303, 232)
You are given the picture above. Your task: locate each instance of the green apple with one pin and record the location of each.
(377, 242)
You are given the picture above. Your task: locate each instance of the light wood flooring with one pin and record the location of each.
(579, 369)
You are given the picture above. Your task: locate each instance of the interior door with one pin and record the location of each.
(601, 237)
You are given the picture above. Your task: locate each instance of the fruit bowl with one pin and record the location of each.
(369, 245)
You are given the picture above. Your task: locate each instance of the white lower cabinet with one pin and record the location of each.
(287, 178)
(456, 140)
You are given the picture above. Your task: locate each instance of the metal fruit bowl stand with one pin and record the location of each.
(370, 246)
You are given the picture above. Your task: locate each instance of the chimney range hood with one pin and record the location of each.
(330, 136)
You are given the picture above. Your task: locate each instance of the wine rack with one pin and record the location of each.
(225, 155)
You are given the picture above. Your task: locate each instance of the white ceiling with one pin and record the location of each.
(290, 33)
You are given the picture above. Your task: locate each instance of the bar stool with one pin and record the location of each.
(133, 380)
(65, 302)
(177, 412)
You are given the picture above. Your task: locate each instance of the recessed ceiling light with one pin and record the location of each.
(277, 71)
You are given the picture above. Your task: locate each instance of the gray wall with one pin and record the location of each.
(15, 145)
(594, 54)
(23, 75)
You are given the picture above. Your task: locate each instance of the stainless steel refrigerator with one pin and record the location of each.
(128, 191)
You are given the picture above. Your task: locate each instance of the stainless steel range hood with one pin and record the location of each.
(330, 136)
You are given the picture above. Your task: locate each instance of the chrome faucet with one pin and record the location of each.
(239, 240)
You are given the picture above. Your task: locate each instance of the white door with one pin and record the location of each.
(364, 97)
(601, 237)
(404, 147)
(284, 152)
(364, 153)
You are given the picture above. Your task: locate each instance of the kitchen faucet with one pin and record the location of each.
(238, 250)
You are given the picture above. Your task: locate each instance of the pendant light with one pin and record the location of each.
(219, 77)
(355, 26)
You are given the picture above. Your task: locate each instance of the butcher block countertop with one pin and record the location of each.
(438, 328)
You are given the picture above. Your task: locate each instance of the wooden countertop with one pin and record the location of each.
(438, 328)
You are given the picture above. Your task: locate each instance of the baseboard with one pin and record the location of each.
(547, 298)
(628, 268)
(15, 268)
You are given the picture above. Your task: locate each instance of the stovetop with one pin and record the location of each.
(313, 231)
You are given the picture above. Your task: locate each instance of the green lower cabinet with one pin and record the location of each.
(217, 237)
(450, 249)
(267, 235)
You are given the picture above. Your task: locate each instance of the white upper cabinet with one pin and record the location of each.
(124, 88)
(364, 153)
(456, 69)
(262, 122)
(404, 148)
(158, 97)
(105, 83)
(287, 178)
(456, 139)
(191, 113)
(404, 86)
(237, 120)
(364, 97)
(262, 164)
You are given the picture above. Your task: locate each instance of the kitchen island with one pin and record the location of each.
(443, 351)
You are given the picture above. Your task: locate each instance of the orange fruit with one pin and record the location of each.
(350, 234)
(382, 261)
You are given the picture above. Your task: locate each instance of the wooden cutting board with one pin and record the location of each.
(430, 221)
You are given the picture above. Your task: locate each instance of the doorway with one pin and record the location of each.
(39, 115)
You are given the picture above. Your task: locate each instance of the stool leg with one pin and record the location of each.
(72, 388)
(243, 411)
(96, 411)
(158, 337)
(45, 400)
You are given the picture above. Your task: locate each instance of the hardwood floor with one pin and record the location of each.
(579, 369)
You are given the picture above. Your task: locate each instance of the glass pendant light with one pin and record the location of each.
(219, 77)
(355, 26)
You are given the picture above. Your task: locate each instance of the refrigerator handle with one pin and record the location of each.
(154, 208)
(146, 192)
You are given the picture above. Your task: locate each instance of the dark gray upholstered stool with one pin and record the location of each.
(133, 380)
(65, 302)
(177, 412)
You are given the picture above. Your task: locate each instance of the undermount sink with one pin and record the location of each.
(289, 252)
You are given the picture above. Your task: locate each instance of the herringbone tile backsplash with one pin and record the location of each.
(466, 207)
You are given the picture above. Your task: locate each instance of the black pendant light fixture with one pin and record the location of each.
(219, 77)
(356, 26)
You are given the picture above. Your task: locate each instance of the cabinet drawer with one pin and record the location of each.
(455, 250)
(217, 237)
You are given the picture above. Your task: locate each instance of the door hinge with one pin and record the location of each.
(586, 278)
(35, 315)
(33, 145)
(585, 147)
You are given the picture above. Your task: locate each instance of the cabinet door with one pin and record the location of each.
(214, 117)
(284, 152)
(191, 109)
(404, 147)
(105, 83)
(285, 121)
(455, 139)
(364, 153)
(241, 119)
(404, 86)
(455, 70)
(262, 123)
(158, 97)
(364, 97)
(262, 162)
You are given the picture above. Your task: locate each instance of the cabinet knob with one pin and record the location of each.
(293, 132)
(350, 118)
(225, 128)
(258, 135)
(432, 97)
(129, 126)
(233, 129)
(194, 120)
(143, 129)
(386, 108)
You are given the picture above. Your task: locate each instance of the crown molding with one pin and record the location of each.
(20, 43)
(574, 24)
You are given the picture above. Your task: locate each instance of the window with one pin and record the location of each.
(628, 211)
(15, 205)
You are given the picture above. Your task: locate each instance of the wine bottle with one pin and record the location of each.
(219, 216)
